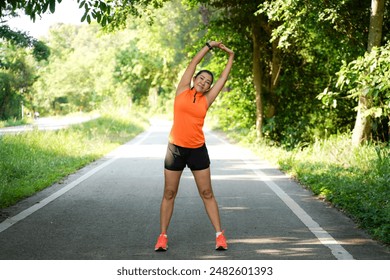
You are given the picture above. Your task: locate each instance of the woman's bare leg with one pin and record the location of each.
(203, 182)
(172, 180)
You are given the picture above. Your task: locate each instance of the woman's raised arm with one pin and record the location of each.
(216, 89)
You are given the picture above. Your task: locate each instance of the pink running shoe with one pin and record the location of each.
(221, 242)
(162, 243)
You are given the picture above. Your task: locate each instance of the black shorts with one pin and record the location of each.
(178, 157)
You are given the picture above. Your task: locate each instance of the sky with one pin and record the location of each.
(66, 12)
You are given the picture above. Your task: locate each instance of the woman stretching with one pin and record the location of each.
(187, 146)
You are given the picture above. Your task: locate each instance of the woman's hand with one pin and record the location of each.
(224, 48)
(214, 44)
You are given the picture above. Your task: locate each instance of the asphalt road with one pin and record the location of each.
(110, 210)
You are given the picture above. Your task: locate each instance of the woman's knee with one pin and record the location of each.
(169, 194)
(207, 194)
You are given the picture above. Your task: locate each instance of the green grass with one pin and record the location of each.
(15, 122)
(32, 161)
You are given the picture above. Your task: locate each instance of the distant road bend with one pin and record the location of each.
(49, 123)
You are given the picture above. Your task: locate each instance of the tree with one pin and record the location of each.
(362, 129)
(16, 77)
(21, 39)
(16, 68)
(78, 75)
(369, 74)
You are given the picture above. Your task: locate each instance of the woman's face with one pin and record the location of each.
(202, 82)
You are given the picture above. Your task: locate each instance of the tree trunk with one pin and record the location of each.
(276, 66)
(362, 129)
(376, 23)
(257, 79)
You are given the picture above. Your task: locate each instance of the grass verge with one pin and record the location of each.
(14, 122)
(32, 161)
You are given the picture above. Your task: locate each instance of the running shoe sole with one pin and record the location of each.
(161, 249)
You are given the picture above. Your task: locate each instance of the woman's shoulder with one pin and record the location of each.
(185, 90)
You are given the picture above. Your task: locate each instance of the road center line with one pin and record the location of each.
(322, 235)
(7, 223)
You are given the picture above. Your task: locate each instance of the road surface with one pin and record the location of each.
(110, 210)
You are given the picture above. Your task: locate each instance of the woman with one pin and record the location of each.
(187, 143)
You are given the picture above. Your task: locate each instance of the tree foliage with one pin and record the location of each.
(17, 75)
(23, 40)
(370, 75)
(17, 54)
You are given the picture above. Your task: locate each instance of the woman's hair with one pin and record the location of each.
(208, 72)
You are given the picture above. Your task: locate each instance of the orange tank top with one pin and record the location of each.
(190, 108)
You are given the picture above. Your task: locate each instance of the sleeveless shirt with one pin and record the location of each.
(190, 108)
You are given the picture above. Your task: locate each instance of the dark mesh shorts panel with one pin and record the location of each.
(177, 158)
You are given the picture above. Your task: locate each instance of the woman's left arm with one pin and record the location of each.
(218, 86)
